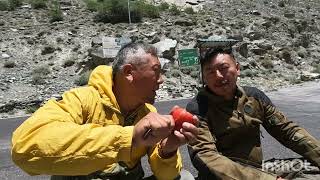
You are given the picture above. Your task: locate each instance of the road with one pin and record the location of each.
(300, 103)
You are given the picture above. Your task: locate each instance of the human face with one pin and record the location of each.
(147, 79)
(220, 74)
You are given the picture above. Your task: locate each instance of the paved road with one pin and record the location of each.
(301, 104)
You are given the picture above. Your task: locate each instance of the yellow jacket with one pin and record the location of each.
(83, 133)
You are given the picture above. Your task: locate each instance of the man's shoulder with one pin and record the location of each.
(198, 105)
(257, 94)
(84, 91)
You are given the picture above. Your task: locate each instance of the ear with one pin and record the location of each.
(238, 68)
(127, 71)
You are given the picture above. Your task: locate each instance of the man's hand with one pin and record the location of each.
(187, 133)
(158, 127)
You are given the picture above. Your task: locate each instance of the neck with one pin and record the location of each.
(231, 95)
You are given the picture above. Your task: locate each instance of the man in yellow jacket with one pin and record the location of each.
(102, 130)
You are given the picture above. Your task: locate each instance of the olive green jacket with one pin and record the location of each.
(229, 147)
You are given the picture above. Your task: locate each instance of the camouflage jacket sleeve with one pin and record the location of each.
(290, 134)
(210, 163)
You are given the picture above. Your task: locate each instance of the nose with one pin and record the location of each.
(160, 80)
(219, 74)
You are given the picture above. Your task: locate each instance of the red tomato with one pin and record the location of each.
(180, 116)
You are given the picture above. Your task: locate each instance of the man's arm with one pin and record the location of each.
(290, 134)
(56, 140)
(207, 160)
(166, 157)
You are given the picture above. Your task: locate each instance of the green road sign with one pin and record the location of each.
(188, 57)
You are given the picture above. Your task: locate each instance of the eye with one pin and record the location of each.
(157, 70)
(224, 67)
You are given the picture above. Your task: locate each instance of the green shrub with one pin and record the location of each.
(9, 64)
(13, 4)
(39, 75)
(174, 10)
(38, 79)
(4, 5)
(195, 74)
(43, 70)
(116, 11)
(175, 73)
(267, 63)
(189, 10)
(38, 4)
(55, 12)
(68, 63)
(83, 79)
(164, 6)
(147, 9)
(92, 5)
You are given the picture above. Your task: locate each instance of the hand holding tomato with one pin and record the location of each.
(185, 131)
(180, 116)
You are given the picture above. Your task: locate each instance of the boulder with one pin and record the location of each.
(185, 22)
(166, 48)
(243, 50)
(307, 76)
(258, 51)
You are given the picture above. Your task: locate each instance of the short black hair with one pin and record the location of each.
(213, 52)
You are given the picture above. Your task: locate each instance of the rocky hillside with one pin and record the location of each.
(279, 46)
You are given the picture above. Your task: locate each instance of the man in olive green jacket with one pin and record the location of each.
(228, 145)
(102, 130)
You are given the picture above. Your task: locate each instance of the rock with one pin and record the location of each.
(2, 23)
(100, 56)
(185, 22)
(255, 12)
(289, 15)
(150, 34)
(192, 2)
(254, 35)
(155, 40)
(286, 55)
(166, 48)
(282, 3)
(262, 44)
(302, 52)
(306, 76)
(5, 56)
(7, 107)
(164, 63)
(243, 50)
(47, 50)
(258, 51)
(266, 24)
(96, 41)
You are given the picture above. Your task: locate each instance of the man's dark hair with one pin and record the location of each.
(131, 53)
(213, 52)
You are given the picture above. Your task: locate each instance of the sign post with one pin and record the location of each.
(187, 58)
